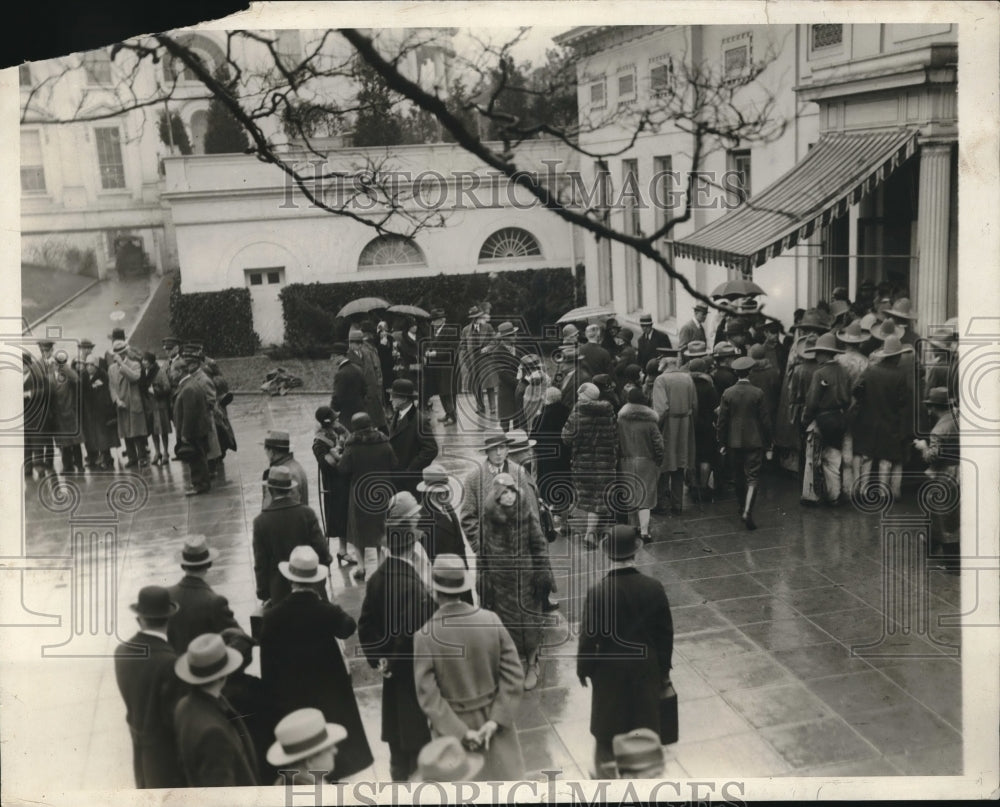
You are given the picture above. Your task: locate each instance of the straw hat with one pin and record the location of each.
(207, 659)
(196, 552)
(518, 440)
(303, 566)
(450, 575)
(638, 751)
(301, 734)
(446, 760)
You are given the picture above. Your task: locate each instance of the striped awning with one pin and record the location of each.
(837, 172)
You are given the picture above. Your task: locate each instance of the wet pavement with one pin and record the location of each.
(764, 626)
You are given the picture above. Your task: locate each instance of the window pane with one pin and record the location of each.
(98, 67)
(597, 93)
(109, 158)
(509, 243)
(274, 277)
(256, 279)
(659, 79)
(626, 84)
(32, 169)
(391, 250)
(825, 36)
(736, 60)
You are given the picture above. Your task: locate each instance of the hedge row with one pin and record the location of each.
(538, 296)
(221, 320)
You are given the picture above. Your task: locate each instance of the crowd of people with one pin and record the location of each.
(588, 443)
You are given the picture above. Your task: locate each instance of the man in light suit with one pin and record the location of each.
(410, 436)
(201, 609)
(468, 675)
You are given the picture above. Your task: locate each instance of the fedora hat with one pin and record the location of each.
(695, 349)
(355, 335)
(433, 474)
(892, 346)
(280, 478)
(507, 329)
(518, 440)
(744, 363)
(838, 308)
(446, 760)
(637, 751)
(853, 334)
(86, 343)
(207, 659)
(493, 439)
(902, 309)
(475, 312)
(118, 346)
(723, 349)
(622, 542)
(645, 318)
(154, 602)
(827, 343)
(438, 313)
(278, 440)
(938, 396)
(340, 349)
(812, 320)
(301, 734)
(303, 566)
(360, 421)
(701, 307)
(886, 328)
(757, 352)
(450, 574)
(403, 388)
(197, 552)
(117, 333)
(570, 331)
(804, 347)
(402, 505)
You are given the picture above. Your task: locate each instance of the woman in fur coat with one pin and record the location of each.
(641, 446)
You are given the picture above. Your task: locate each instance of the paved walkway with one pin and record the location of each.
(764, 624)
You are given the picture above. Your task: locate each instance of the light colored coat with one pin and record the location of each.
(675, 401)
(467, 672)
(127, 396)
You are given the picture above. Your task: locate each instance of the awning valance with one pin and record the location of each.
(838, 171)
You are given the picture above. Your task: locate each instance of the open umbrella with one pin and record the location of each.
(732, 289)
(586, 312)
(362, 306)
(411, 310)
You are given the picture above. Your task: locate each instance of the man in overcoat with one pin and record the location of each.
(367, 362)
(278, 447)
(626, 645)
(350, 391)
(150, 690)
(193, 422)
(597, 359)
(475, 336)
(283, 525)
(649, 341)
(744, 430)
(675, 401)
(825, 412)
(202, 610)
(410, 436)
(506, 359)
(301, 663)
(440, 362)
(124, 373)
(397, 603)
(694, 330)
(215, 747)
(468, 675)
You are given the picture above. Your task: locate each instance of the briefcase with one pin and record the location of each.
(668, 715)
(256, 621)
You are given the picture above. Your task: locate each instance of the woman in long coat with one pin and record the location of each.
(368, 461)
(511, 586)
(156, 395)
(328, 448)
(551, 453)
(100, 422)
(125, 373)
(302, 666)
(592, 436)
(675, 401)
(641, 446)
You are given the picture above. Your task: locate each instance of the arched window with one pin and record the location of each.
(391, 250)
(207, 51)
(510, 243)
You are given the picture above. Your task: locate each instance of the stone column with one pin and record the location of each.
(932, 234)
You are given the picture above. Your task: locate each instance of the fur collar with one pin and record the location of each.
(367, 437)
(633, 411)
(596, 408)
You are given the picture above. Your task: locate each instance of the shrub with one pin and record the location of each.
(221, 320)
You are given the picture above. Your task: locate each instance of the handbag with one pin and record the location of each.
(668, 714)
(548, 522)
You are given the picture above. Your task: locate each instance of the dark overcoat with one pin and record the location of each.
(592, 435)
(884, 421)
(202, 611)
(442, 529)
(100, 421)
(551, 454)
(506, 359)
(743, 418)
(369, 462)
(395, 607)
(215, 745)
(328, 445)
(192, 417)
(441, 368)
(248, 697)
(597, 359)
(645, 347)
(302, 666)
(766, 378)
(626, 644)
(283, 525)
(705, 447)
(414, 446)
(150, 690)
(349, 392)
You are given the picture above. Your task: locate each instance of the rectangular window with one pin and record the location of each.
(737, 60)
(274, 276)
(24, 75)
(661, 79)
(256, 278)
(597, 98)
(826, 35)
(626, 86)
(737, 56)
(32, 165)
(664, 189)
(97, 65)
(630, 210)
(739, 164)
(265, 276)
(605, 288)
(109, 157)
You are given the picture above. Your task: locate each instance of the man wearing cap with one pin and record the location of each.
(410, 435)
(694, 330)
(649, 340)
(124, 374)
(144, 671)
(626, 645)
(301, 663)
(675, 401)
(440, 366)
(468, 675)
(201, 609)
(214, 745)
(305, 745)
(350, 392)
(475, 336)
(193, 423)
(284, 524)
(942, 454)
(278, 447)
(744, 431)
(368, 364)
(398, 600)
